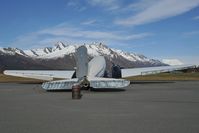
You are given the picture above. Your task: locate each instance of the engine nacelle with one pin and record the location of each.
(116, 71)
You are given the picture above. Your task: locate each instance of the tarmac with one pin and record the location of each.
(143, 107)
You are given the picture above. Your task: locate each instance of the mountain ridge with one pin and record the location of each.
(61, 56)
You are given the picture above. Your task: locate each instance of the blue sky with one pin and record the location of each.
(156, 28)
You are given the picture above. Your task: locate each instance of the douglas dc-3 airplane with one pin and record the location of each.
(89, 74)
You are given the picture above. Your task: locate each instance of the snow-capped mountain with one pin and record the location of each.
(60, 50)
(61, 56)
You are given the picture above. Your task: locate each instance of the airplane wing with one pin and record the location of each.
(152, 70)
(46, 75)
(95, 82)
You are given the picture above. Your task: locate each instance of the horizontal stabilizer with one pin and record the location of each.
(60, 84)
(153, 70)
(94, 83)
(108, 83)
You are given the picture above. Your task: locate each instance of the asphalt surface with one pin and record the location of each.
(171, 107)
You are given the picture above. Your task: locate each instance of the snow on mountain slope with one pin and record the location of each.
(59, 50)
(172, 62)
(12, 51)
(131, 56)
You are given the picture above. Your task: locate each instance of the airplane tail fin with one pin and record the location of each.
(81, 62)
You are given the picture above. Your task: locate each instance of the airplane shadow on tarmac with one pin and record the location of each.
(108, 90)
(93, 90)
(151, 82)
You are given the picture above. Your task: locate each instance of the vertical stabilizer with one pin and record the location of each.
(81, 62)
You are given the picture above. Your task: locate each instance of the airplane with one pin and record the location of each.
(90, 74)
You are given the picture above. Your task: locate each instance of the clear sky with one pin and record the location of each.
(156, 28)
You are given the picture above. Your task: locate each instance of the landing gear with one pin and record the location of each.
(83, 84)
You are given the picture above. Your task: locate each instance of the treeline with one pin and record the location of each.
(196, 69)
